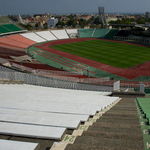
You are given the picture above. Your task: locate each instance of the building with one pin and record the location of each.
(52, 22)
(147, 14)
(86, 17)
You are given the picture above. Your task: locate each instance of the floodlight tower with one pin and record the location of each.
(102, 16)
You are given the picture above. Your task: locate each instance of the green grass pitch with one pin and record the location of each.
(112, 53)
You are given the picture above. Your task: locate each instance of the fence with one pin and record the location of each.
(62, 75)
(129, 87)
(50, 72)
(133, 38)
(51, 82)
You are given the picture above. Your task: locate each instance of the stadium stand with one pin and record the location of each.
(85, 33)
(45, 103)
(6, 40)
(111, 34)
(5, 45)
(60, 34)
(4, 30)
(21, 39)
(6, 52)
(100, 33)
(28, 112)
(34, 37)
(64, 83)
(72, 32)
(7, 20)
(143, 109)
(4, 69)
(26, 130)
(117, 129)
(122, 33)
(10, 28)
(51, 120)
(38, 112)
(16, 145)
(46, 35)
(36, 65)
(144, 104)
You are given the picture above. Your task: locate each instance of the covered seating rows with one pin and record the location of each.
(47, 35)
(144, 104)
(60, 34)
(32, 111)
(9, 28)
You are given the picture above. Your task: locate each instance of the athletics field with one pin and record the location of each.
(104, 58)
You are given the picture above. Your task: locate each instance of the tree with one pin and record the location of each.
(70, 16)
(82, 23)
(45, 26)
(37, 25)
(96, 21)
(28, 26)
(141, 21)
(69, 22)
(60, 24)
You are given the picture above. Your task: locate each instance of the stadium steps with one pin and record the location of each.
(101, 144)
(100, 33)
(11, 27)
(13, 42)
(85, 33)
(110, 34)
(44, 144)
(41, 36)
(47, 35)
(21, 39)
(54, 35)
(4, 30)
(60, 34)
(117, 129)
(67, 34)
(105, 134)
(72, 33)
(5, 45)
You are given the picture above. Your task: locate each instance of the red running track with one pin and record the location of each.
(130, 73)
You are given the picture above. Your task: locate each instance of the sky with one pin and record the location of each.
(15, 7)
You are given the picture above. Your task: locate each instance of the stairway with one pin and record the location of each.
(117, 129)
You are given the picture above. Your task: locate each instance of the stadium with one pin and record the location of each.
(73, 89)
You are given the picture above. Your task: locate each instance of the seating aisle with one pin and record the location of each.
(117, 129)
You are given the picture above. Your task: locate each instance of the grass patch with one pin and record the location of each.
(111, 53)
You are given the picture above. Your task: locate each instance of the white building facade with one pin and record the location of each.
(52, 22)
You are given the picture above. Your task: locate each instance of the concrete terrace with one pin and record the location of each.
(69, 119)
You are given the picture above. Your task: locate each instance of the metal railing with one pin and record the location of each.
(51, 72)
(62, 75)
(93, 84)
(52, 82)
(129, 86)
